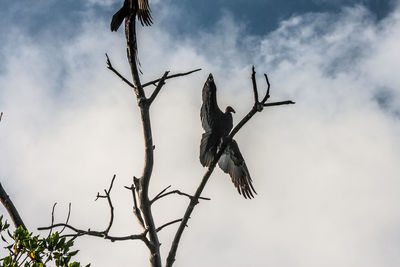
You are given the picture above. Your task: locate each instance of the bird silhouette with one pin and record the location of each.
(140, 8)
(217, 125)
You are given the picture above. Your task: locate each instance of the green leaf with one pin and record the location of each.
(10, 235)
(54, 250)
(61, 243)
(7, 260)
(73, 253)
(2, 237)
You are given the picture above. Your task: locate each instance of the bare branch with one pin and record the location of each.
(102, 234)
(162, 192)
(111, 215)
(266, 97)
(253, 79)
(68, 216)
(154, 82)
(111, 185)
(168, 224)
(158, 88)
(110, 67)
(12, 211)
(136, 210)
(108, 196)
(179, 193)
(288, 102)
(52, 217)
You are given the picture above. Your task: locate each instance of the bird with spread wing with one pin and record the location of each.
(217, 125)
(140, 9)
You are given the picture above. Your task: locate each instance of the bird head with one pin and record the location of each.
(229, 109)
(210, 82)
(210, 79)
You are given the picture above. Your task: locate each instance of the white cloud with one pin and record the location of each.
(326, 169)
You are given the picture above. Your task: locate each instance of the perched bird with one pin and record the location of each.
(217, 125)
(141, 9)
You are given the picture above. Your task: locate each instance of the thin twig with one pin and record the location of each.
(136, 209)
(52, 217)
(107, 195)
(158, 88)
(179, 193)
(253, 79)
(279, 103)
(102, 234)
(110, 67)
(68, 216)
(167, 224)
(266, 97)
(159, 194)
(169, 77)
(111, 214)
(111, 185)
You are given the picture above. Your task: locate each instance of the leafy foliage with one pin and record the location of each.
(25, 249)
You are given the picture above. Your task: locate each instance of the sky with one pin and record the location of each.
(326, 169)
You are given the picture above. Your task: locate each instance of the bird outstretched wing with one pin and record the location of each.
(144, 12)
(119, 16)
(210, 112)
(232, 162)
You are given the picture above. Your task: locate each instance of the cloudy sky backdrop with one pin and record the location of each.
(326, 169)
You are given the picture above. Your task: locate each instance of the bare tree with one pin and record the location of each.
(139, 188)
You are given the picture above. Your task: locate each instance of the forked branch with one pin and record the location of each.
(178, 192)
(103, 234)
(136, 210)
(110, 67)
(140, 189)
(158, 87)
(108, 197)
(168, 224)
(157, 82)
